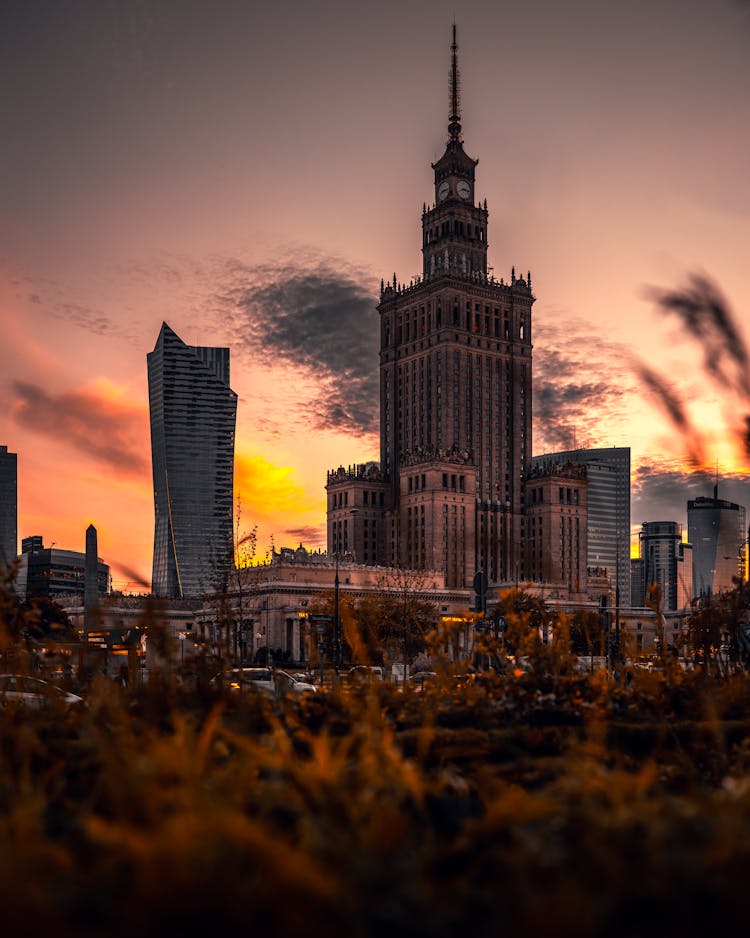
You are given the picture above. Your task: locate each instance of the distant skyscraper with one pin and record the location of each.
(667, 562)
(717, 529)
(608, 538)
(193, 415)
(8, 507)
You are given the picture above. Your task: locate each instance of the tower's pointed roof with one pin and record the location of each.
(455, 159)
(454, 118)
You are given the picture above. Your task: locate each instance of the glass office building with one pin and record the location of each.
(608, 537)
(717, 529)
(667, 563)
(193, 414)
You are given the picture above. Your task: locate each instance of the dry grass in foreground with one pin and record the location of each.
(509, 804)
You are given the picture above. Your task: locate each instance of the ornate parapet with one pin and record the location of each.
(431, 454)
(558, 470)
(366, 472)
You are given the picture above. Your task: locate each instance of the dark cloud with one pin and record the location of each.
(107, 430)
(660, 491)
(579, 384)
(320, 319)
(309, 536)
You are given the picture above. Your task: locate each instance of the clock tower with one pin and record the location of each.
(454, 230)
(455, 400)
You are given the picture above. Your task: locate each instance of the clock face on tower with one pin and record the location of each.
(443, 190)
(463, 189)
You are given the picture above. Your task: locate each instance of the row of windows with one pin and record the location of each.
(489, 321)
(454, 227)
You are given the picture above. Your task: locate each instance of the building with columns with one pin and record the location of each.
(455, 400)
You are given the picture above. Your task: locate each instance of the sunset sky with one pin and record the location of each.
(248, 172)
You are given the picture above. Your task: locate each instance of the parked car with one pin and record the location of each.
(305, 677)
(247, 679)
(418, 680)
(289, 684)
(364, 672)
(34, 692)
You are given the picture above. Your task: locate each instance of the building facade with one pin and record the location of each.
(608, 503)
(8, 508)
(193, 414)
(717, 529)
(556, 525)
(53, 573)
(667, 563)
(455, 396)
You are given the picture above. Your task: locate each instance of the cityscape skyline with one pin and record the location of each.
(288, 277)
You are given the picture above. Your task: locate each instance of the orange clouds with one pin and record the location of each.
(98, 421)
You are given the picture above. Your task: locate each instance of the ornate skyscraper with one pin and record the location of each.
(193, 414)
(455, 399)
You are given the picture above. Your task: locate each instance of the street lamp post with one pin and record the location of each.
(336, 621)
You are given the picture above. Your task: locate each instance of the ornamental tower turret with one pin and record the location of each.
(454, 229)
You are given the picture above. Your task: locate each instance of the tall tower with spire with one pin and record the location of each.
(455, 398)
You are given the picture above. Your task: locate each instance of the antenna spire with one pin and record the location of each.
(454, 118)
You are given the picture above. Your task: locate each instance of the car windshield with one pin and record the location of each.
(258, 674)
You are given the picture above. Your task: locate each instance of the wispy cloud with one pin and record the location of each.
(93, 421)
(579, 385)
(309, 536)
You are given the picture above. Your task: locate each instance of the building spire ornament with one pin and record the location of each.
(454, 118)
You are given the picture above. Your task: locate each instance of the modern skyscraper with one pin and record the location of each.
(667, 562)
(608, 538)
(8, 507)
(717, 529)
(455, 398)
(193, 415)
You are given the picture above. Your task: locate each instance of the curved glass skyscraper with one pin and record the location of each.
(717, 530)
(193, 414)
